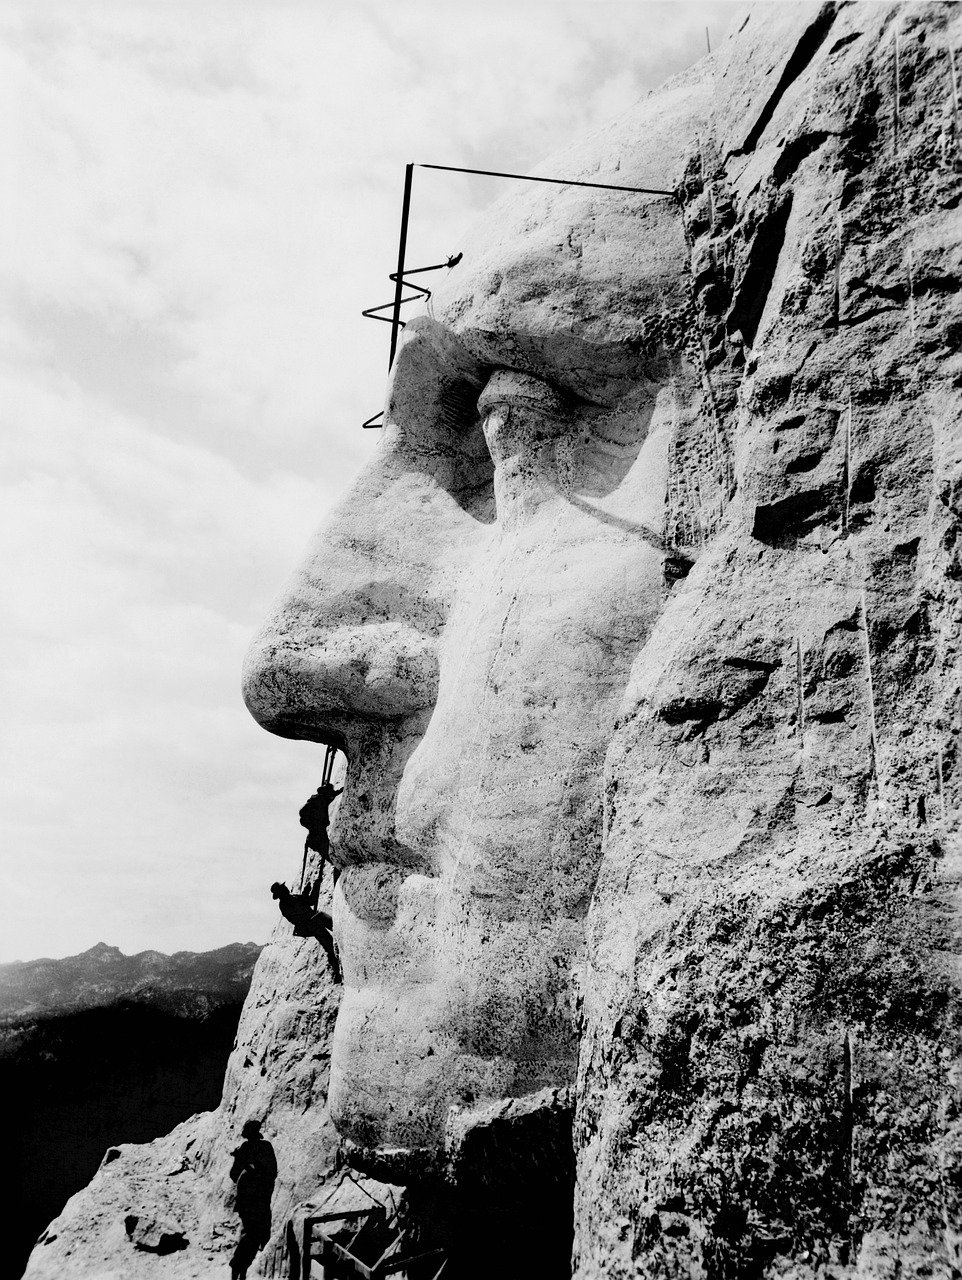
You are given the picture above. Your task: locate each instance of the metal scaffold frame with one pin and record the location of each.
(399, 277)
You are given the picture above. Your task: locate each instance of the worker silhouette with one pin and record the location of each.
(254, 1169)
(316, 817)
(301, 910)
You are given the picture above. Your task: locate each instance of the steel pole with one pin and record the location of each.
(401, 249)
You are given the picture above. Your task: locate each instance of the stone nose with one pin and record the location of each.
(348, 655)
(305, 680)
(368, 689)
(351, 642)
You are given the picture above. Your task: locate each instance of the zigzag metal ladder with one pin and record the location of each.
(399, 277)
(421, 291)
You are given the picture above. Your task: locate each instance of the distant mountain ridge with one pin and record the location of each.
(104, 975)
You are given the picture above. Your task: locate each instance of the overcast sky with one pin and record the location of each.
(198, 199)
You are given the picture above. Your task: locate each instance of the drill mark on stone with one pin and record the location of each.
(848, 1112)
(847, 466)
(953, 77)
(897, 88)
(873, 738)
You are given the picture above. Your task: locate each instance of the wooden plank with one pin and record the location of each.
(309, 1241)
(359, 1267)
(399, 1264)
(391, 1249)
(348, 1215)
(306, 1248)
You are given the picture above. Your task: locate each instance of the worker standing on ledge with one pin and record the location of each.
(254, 1169)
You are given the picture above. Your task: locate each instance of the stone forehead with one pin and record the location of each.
(550, 264)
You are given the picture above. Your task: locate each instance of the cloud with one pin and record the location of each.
(201, 200)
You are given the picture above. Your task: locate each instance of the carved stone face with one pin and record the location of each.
(463, 629)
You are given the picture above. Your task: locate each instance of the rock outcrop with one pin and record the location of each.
(769, 1073)
(103, 1048)
(166, 1208)
(641, 636)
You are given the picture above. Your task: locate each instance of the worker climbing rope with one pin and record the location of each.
(308, 922)
(315, 816)
(301, 908)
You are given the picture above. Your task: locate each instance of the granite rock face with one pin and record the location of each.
(769, 1073)
(640, 635)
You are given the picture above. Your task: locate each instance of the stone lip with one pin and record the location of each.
(461, 1123)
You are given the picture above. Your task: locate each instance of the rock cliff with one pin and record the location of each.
(642, 639)
(166, 1208)
(768, 1081)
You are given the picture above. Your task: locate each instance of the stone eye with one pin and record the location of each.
(525, 391)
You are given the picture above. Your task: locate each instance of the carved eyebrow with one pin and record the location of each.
(592, 373)
(590, 324)
(457, 365)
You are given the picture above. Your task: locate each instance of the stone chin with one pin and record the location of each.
(424, 1047)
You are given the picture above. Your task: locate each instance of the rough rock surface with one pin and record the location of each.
(166, 1208)
(83, 1081)
(769, 1073)
(642, 631)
